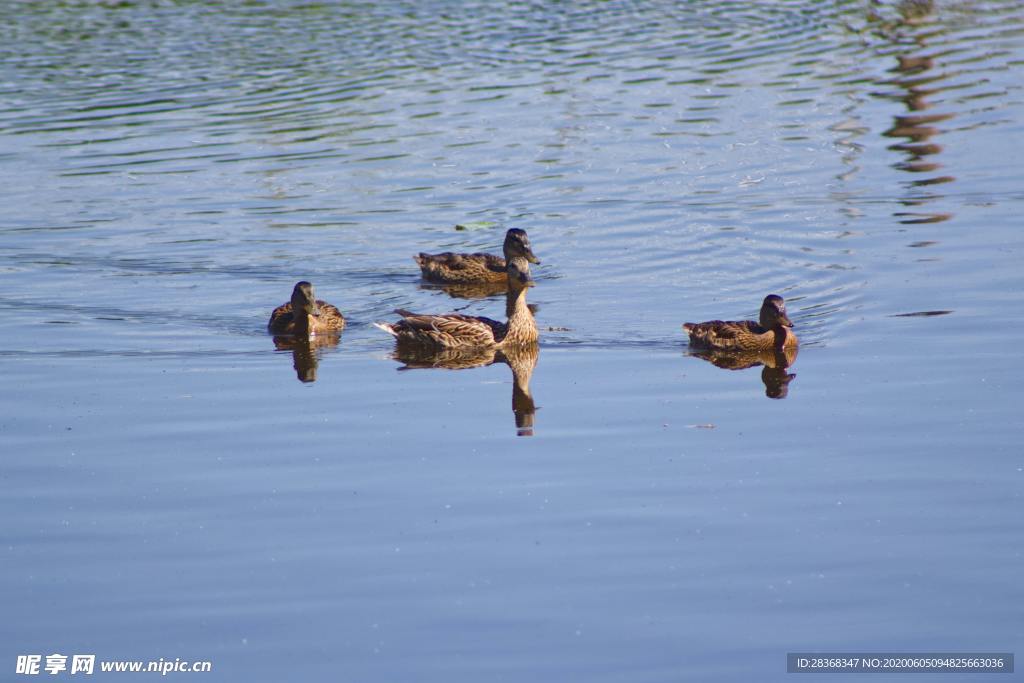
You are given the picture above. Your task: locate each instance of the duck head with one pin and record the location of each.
(519, 273)
(304, 299)
(773, 313)
(517, 243)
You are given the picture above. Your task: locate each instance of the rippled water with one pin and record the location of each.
(625, 511)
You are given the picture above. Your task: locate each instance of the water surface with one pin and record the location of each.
(173, 490)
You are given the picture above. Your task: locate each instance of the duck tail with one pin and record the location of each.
(386, 327)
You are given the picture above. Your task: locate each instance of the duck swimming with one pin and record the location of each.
(314, 317)
(477, 268)
(771, 331)
(453, 330)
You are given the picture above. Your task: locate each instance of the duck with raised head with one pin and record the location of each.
(479, 268)
(305, 315)
(771, 331)
(454, 330)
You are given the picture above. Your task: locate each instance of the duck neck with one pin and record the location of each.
(303, 323)
(522, 328)
(511, 295)
(783, 337)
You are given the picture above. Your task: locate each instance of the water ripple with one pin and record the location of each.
(675, 160)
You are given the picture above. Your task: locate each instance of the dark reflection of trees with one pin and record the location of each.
(521, 361)
(915, 81)
(774, 362)
(306, 352)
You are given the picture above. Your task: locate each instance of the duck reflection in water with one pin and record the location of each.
(480, 291)
(469, 290)
(520, 359)
(775, 364)
(306, 353)
(738, 345)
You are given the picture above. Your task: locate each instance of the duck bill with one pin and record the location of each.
(529, 255)
(315, 311)
(784, 320)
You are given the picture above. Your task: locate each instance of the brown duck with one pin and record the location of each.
(772, 331)
(477, 268)
(314, 317)
(453, 330)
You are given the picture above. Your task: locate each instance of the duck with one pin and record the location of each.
(771, 331)
(479, 268)
(320, 317)
(456, 331)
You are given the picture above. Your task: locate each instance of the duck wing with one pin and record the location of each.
(452, 267)
(281, 318)
(722, 334)
(330, 317)
(448, 331)
(455, 261)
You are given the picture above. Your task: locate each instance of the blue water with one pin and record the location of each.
(172, 490)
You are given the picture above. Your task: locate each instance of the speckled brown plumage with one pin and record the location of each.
(478, 268)
(771, 331)
(453, 268)
(454, 330)
(315, 316)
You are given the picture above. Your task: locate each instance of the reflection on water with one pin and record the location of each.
(920, 314)
(520, 359)
(916, 83)
(306, 352)
(775, 364)
(168, 165)
(481, 290)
